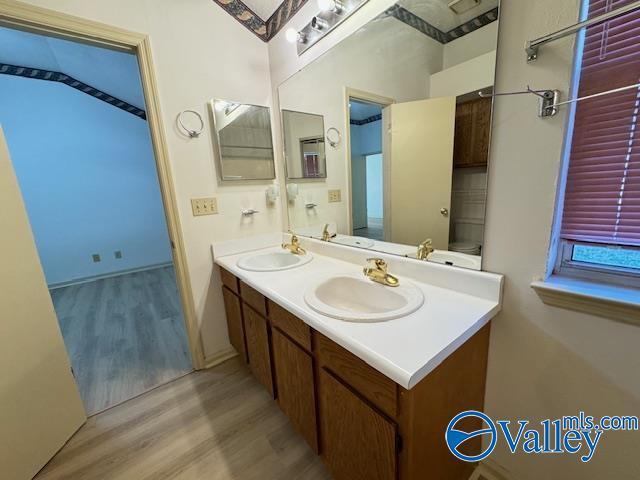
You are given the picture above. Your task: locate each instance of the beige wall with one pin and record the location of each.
(200, 53)
(546, 362)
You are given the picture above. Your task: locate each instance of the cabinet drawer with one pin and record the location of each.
(258, 347)
(380, 390)
(296, 391)
(229, 280)
(290, 325)
(233, 308)
(253, 298)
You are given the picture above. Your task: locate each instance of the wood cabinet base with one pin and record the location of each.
(364, 425)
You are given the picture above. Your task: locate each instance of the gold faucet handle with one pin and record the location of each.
(379, 263)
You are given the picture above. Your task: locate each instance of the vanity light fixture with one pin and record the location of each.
(334, 6)
(319, 24)
(294, 36)
(332, 13)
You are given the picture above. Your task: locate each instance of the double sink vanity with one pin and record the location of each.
(370, 358)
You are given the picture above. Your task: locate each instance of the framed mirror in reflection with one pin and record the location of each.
(242, 141)
(411, 176)
(304, 145)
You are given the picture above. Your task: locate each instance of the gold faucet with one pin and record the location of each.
(424, 249)
(326, 236)
(378, 273)
(294, 247)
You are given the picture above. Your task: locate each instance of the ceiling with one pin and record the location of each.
(112, 72)
(438, 14)
(362, 111)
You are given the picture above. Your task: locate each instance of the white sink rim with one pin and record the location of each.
(407, 290)
(456, 259)
(351, 241)
(244, 262)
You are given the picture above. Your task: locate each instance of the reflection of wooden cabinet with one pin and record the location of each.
(363, 424)
(358, 443)
(472, 133)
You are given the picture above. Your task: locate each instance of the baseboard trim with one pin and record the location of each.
(78, 281)
(219, 357)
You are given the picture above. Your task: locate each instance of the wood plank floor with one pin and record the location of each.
(124, 335)
(218, 424)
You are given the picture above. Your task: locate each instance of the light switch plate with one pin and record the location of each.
(335, 196)
(204, 206)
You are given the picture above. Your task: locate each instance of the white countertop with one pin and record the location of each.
(405, 349)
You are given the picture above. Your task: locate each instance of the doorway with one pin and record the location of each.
(367, 166)
(75, 119)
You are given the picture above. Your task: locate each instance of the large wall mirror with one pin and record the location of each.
(242, 141)
(410, 174)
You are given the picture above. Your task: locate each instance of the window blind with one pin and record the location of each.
(602, 195)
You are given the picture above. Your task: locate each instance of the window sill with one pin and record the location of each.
(609, 301)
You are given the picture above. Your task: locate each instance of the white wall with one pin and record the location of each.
(471, 45)
(88, 179)
(468, 63)
(546, 362)
(199, 53)
(466, 77)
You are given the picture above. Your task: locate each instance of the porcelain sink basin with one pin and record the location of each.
(273, 261)
(350, 241)
(357, 299)
(457, 259)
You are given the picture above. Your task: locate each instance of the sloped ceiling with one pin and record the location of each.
(115, 73)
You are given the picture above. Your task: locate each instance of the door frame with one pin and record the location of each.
(353, 93)
(39, 20)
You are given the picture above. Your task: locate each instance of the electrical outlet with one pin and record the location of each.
(96, 258)
(204, 206)
(117, 254)
(335, 196)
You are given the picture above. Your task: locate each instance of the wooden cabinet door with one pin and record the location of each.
(296, 394)
(235, 325)
(463, 139)
(258, 348)
(472, 133)
(358, 443)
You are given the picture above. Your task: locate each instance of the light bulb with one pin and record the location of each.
(326, 5)
(292, 35)
(330, 6)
